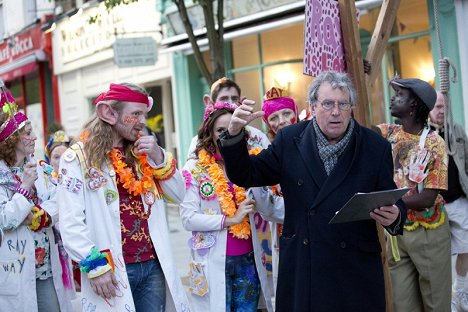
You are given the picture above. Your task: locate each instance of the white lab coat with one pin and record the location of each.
(205, 216)
(17, 251)
(271, 208)
(87, 221)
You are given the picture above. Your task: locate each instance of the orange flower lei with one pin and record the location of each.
(126, 176)
(226, 201)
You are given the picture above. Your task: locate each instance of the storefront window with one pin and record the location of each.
(271, 58)
(408, 53)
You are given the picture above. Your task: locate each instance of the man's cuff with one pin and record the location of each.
(228, 140)
(394, 228)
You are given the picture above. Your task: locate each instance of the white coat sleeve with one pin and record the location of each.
(73, 228)
(193, 218)
(13, 211)
(269, 205)
(174, 187)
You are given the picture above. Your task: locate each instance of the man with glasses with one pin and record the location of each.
(320, 164)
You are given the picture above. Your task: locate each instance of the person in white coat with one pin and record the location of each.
(280, 111)
(30, 270)
(56, 146)
(111, 190)
(228, 271)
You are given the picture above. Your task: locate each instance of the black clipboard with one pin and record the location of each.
(359, 206)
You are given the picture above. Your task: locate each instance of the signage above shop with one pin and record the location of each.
(233, 9)
(21, 45)
(76, 39)
(131, 52)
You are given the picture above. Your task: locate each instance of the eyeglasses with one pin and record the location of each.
(330, 104)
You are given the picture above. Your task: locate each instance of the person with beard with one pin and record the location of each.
(320, 165)
(419, 260)
(456, 203)
(112, 184)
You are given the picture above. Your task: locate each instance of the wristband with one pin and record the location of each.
(24, 192)
(97, 263)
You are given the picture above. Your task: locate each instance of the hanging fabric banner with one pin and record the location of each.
(323, 45)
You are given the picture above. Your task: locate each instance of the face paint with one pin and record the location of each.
(130, 120)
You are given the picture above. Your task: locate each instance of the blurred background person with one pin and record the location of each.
(456, 203)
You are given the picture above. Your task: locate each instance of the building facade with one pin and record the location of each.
(86, 61)
(26, 65)
(265, 47)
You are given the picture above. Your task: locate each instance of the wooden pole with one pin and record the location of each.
(353, 58)
(379, 40)
(355, 67)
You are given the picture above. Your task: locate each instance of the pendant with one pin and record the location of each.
(150, 198)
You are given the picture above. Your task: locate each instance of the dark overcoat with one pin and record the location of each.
(322, 267)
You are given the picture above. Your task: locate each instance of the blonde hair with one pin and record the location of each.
(97, 134)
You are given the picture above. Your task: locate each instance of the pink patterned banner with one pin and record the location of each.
(323, 45)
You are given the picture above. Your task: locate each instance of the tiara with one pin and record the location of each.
(211, 108)
(16, 120)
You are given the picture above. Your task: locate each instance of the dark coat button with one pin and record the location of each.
(343, 245)
(305, 241)
(300, 182)
(312, 212)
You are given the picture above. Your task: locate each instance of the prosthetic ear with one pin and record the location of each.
(207, 100)
(107, 113)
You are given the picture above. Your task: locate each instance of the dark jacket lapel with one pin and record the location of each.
(308, 150)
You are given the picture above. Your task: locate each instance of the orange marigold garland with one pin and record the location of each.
(126, 176)
(226, 200)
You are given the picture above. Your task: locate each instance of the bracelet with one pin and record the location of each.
(24, 192)
(168, 170)
(97, 263)
(40, 219)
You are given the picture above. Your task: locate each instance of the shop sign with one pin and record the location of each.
(323, 45)
(76, 38)
(130, 52)
(233, 9)
(20, 45)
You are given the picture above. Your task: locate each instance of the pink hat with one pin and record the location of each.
(275, 100)
(16, 120)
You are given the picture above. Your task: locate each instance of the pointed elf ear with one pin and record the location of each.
(107, 113)
(207, 100)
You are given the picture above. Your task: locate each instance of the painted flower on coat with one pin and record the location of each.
(40, 255)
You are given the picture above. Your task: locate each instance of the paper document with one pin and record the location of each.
(359, 206)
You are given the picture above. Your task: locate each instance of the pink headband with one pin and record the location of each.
(274, 105)
(125, 94)
(210, 108)
(11, 125)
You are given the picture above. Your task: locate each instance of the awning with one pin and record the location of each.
(21, 67)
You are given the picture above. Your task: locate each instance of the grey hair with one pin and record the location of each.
(336, 80)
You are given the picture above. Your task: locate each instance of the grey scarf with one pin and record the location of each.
(329, 153)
